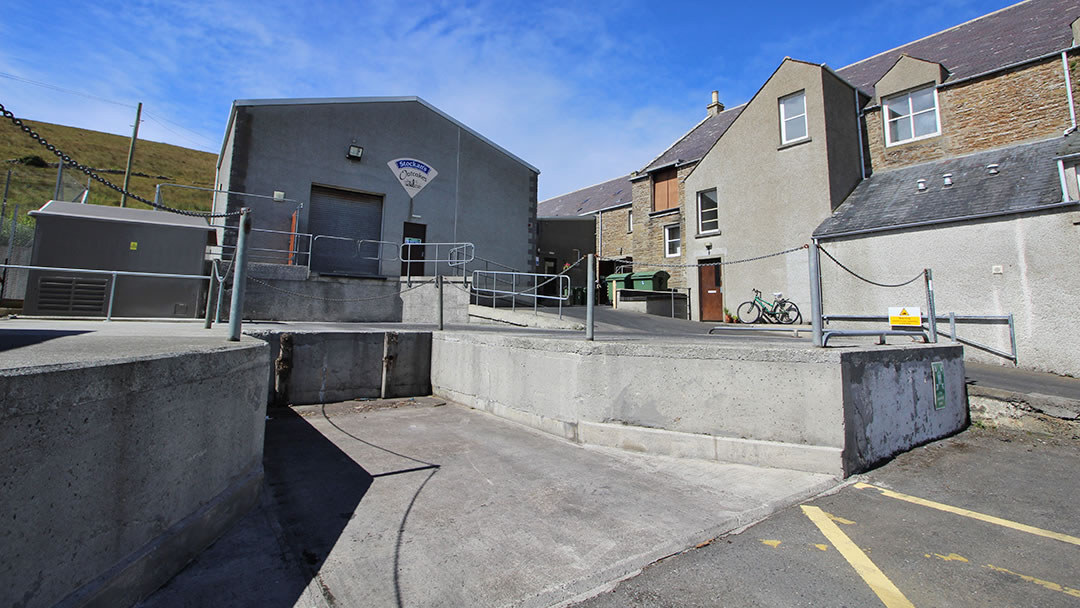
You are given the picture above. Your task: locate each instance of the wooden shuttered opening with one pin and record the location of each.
(665, 190)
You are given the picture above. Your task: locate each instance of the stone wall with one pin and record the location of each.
(614, 239)
(1025, 104)
(647, 240)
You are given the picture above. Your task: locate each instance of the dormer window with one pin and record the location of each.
(911, 116)
(793, 118)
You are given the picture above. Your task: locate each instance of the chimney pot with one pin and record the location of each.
(715, 107)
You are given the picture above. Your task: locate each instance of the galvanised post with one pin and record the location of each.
(1012, 339)
(952, 326)
(112, 298)
(208, 322)
(439, 286)
(236, 311)
(220, 297)
(815, 293)
(590, 297)
(930, 304)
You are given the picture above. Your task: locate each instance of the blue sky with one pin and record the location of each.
(583, 91)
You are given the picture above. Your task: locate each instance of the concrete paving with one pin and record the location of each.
(412, 503)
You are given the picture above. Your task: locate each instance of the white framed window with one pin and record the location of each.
(672, 241)
(708, 212)
(630, 220)
(793, 117)
(911, 116)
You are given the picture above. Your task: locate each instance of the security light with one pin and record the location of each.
(355, 152)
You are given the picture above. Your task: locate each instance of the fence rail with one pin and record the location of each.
(494, 283)
(952, 319)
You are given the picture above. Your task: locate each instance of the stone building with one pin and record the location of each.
(880, 162)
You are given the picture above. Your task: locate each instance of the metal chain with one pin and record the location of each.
(311, 297)
(753, 259)
(67, 160)
(852, 273)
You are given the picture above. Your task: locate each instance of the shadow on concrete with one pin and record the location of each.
(315, 489)
(18, 338)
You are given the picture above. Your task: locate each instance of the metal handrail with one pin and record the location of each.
(298, 252)
(562, 286)
(953, 319)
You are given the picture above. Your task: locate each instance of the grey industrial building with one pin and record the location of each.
(327, 163)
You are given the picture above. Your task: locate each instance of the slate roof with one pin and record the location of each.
(1027, 179)
(1014, 34)
(699, 140)
(587, 200)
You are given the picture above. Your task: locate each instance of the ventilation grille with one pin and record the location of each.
(72, 295)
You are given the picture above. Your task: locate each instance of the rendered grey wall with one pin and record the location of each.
(1038, 255)
(788, 407)
(480, 195)
(772, 196)
(110, 485)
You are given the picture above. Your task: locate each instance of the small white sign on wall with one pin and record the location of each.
(413, 174)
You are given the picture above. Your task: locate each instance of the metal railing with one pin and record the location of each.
(298, 255)
(451, 254)
(952, 318)
(113, 274)
(493, 284)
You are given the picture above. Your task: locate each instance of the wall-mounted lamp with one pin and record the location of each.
(279, 196)
(708, 246)
(355, 152)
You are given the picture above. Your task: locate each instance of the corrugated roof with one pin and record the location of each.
(588, 200)
(121, 214)
(1027, 179)
(1009, 36)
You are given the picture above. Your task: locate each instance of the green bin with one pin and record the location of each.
(618, 281)
(577, 296)
(650, 281)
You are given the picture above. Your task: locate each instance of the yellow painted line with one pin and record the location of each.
(1040, 582)
(772, 543)
(952, 557)
(839, 520)
(822, 547)
(875, 578)
(973, 515)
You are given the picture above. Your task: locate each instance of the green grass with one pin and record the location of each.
(31, 187)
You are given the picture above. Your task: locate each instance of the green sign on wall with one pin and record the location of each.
(938, 369)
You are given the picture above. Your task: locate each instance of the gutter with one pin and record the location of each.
(596, 211)
(965, 218)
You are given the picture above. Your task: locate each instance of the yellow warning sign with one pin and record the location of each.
(907, 316)
(134, 245)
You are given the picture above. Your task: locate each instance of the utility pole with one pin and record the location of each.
(131, 155)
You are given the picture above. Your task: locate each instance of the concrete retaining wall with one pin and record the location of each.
(818, 410)
(116, 474)
(324, 367)
(285, 293)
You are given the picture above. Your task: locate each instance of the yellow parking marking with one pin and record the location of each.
(952, 557)
(1040, 582)
(822, 547)
(839, 520)
(973, 514)
(875, 578)
(772, 543)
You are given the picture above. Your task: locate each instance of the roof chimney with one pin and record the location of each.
(715, 107)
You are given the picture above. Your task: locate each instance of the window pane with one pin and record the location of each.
(794, 105)
(708, 200)
(896, 107)
(925, 123)
(710, 225)
(708, 215)
(795, 128)
(900, 130)
(922, 100)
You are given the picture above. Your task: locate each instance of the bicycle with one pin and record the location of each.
(781, 311)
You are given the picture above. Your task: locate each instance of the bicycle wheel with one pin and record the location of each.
(788, 313)
(748, 312)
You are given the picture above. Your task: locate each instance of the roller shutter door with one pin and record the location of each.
(350, 215)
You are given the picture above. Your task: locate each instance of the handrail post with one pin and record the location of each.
(236, 310)
(929, 274)
(439, 286)
(590, 297)
(952, 325)
(1012, 340)
(207, 322)
(815, 294)
(112, 298)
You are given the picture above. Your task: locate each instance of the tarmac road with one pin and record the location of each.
(985, 518)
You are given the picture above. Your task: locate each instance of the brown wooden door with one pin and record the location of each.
(413, 233)
(711, 292)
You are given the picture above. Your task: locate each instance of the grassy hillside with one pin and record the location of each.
(31, 186)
